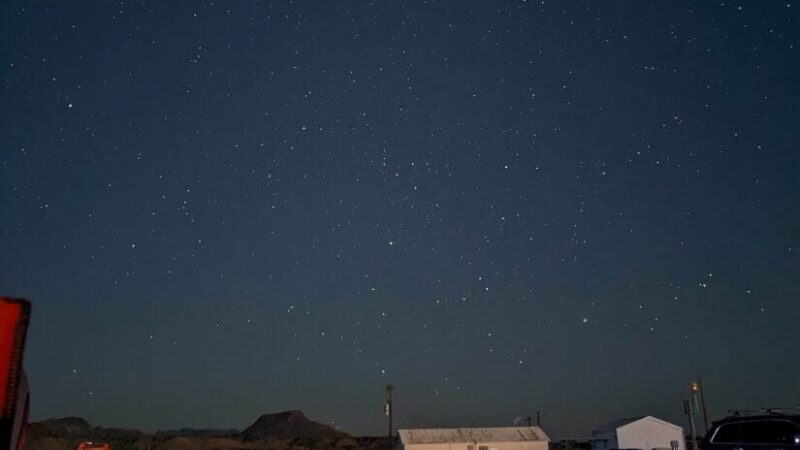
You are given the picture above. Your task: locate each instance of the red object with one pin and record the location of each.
(94, 446)
(14, 318)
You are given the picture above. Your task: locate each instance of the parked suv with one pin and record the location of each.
(763, 431)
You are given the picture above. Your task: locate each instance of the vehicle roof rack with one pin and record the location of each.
(765, 411)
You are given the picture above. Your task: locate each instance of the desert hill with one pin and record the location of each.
(63, 427)
(288, 430)
(288, 425)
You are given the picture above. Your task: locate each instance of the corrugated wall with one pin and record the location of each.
(536, 445)
(648, 434)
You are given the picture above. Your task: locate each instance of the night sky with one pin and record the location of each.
(225, 209)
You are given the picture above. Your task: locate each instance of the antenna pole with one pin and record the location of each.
(688, 408)
(389, 411)
(703, 402)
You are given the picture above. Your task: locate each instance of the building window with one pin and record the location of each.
(483, 447)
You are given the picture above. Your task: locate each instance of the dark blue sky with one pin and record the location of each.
(225, 209)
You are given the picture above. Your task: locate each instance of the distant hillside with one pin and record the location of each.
(67, 432)
(288, 425)
(63, 427)
(289, 430)
(192, 432)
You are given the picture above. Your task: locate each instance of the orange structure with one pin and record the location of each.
(94, 446)
(14, 317)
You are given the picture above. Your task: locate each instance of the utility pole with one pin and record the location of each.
(529, 419)
(695, 392)
(538, 418)
(388, 411)
(703, 402)
(688, 408)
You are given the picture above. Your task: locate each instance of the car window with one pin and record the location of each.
(728, 433)
(769, 432)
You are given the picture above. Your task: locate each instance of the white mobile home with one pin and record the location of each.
(505, 438)
(640, 433)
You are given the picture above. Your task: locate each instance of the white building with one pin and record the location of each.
(505, 438)
(641, 433)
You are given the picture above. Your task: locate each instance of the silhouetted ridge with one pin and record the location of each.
(288, 425)
(62, 427)
(290, 430)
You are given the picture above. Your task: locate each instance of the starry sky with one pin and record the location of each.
(223, 209)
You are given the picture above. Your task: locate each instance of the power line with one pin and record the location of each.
(422, 419)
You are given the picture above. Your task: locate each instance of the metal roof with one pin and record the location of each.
(470, 435)
(612, 427)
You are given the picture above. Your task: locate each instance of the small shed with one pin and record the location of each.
(500, 438)
(640, 433)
